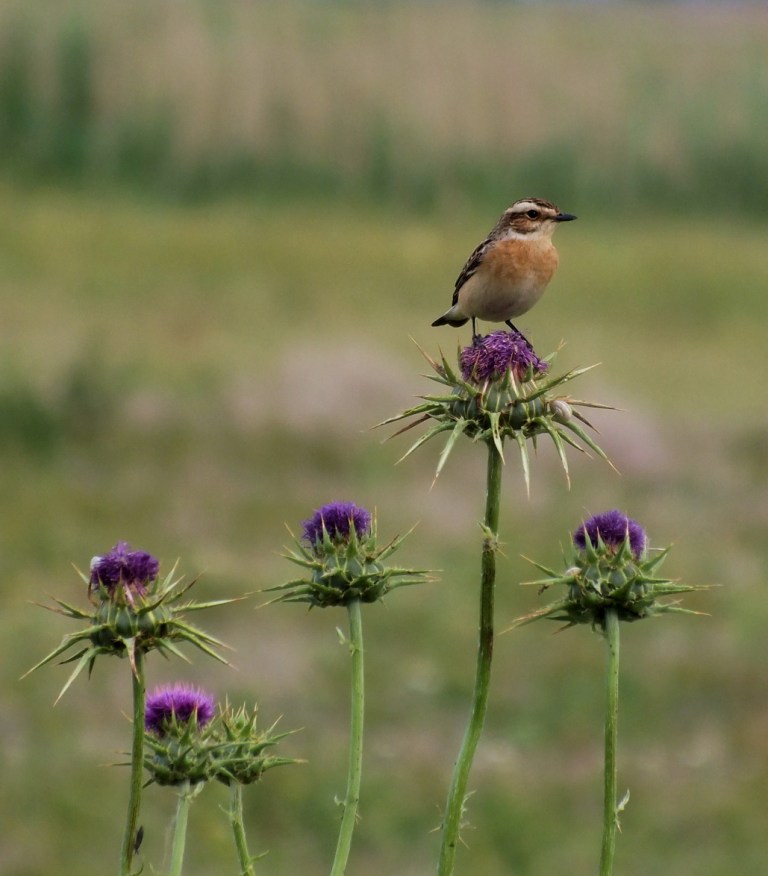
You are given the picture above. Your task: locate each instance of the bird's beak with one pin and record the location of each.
(565, 217)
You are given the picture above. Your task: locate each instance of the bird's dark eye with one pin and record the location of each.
(532, 214)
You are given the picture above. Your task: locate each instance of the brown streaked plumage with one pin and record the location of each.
(508, 272)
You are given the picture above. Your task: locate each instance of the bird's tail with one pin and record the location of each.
(446, 319)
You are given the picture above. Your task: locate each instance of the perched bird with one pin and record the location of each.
(509, 271)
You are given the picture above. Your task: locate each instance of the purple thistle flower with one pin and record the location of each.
(339, 519)
(490, 357)
(134, 570)
(180, 701)
(612, 527)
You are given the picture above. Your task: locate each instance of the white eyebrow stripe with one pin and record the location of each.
(524, 206)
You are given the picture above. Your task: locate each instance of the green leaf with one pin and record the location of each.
(575, 428)
(524, 460)
(558, 442)
(495, 419)
(87, 656)
(435, 430)
(458, 431)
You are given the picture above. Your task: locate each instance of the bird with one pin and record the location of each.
(508, 272)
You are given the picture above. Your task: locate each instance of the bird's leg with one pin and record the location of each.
(517, 331)
(475, 335)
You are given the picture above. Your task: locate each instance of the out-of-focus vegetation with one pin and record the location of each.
(191, 373)
(615, 108)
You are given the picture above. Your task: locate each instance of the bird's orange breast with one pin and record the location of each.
(511, 279)
(516, 262)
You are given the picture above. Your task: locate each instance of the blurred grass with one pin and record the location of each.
(220, 225)
(616, 108)
(192, 378)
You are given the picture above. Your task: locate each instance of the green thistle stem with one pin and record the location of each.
(137, 766)
(454, 808)
(355, 741)
(186, 795)
(238, 829)
(610, 813)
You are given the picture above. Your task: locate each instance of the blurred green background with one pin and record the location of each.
(221, 225)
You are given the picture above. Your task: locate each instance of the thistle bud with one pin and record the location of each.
(134, 611)
(123, 574)
(336, 522)
(189, 740)
(178, 743)
(490, 357)
(611, 532)
(342, 559)
(610, 568)
(240, 752)
(171, 707)
(502, 391)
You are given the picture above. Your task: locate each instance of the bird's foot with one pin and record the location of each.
(520, 336)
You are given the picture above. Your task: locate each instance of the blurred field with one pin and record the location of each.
(192, 375)
(630, 107)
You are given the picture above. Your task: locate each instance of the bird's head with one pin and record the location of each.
(531, 218)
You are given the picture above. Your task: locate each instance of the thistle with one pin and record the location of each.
(610, 568)
(177, 723)
(241, 758)
(339, 550)
(171, 708)
(502, 390)
(345, 567)
(177, 740)
(609, 578)
(240, 755)
(133, 612)
(190, 742)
